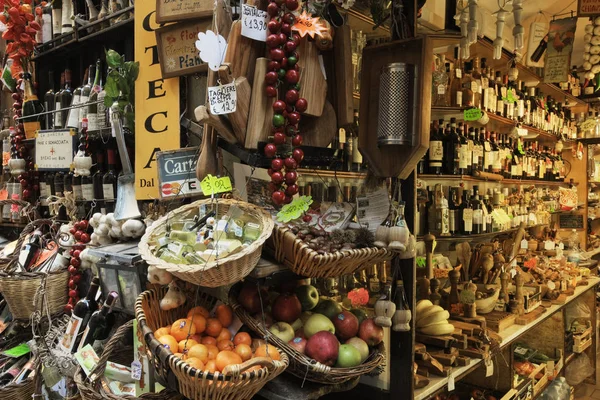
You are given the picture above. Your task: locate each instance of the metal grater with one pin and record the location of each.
(393, 119)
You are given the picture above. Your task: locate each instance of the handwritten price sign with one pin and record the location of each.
(212, 185)
(254, 23)
(295, 209)
(472, 114)
(222, 99)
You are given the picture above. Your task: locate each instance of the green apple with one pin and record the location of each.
(283, 331)
(348, 356)
(308, 296)
(317, 323)
(297, 324)
(305, 316)
(329, 308)
(360, 314)
(361, 346)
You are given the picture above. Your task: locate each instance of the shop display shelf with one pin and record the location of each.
(469, 178)
(477, 237)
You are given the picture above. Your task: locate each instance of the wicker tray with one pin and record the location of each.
(304, 261)
(192, 383)
(227, 270)
(303, 366)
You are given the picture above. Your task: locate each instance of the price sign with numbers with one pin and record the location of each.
(222, 99)
(472, 114)
(295, 209)
(212, 185)
(254, 23)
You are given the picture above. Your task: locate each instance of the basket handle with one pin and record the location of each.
(115, 339)
(236, 369)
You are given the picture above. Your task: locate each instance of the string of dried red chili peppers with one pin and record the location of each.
(283, 69)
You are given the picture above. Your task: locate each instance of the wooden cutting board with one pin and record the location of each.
(343, 76)
(242, 53)
(261, 108)
(319, 131)
(238, 118)
(313, 85)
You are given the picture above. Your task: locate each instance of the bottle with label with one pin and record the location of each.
(496, 166)
(30, 251)
(49, 101)
(97, 178)
(454, 210)
(101, 112)
(101, 322)
(56, 18)
(93, 108)
(7, 177)
(485, 86)
(68, 182)
(16, 193)
(464, 153)
(86, 90)
(452, 150)
(348, 149)
(58, 120)
(13, 371)
(442, 216)
(440, 82)
(500, 91)
(466, 214)
(436, 150)
(32, 106)
(477, 212)
(65, 98)
(109, 181)
(374, 285)
(456, 86)
(476, 85)
(468, 83)
(73, 120)
(79, 318)
(67, 17)
(477, 154)
(87, 184)
(357, 159)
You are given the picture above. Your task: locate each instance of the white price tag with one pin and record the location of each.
(524, 244)
(561, 246)
(254, 23)
(549, 245)
(551, 285)
(522, 132)
(222, 99)
(451, 383)
(136, 370)
(513, 273)
(489, 367)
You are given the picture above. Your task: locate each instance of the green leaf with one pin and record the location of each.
(113, 59)
(111, 87)
(108, 100)
(132, 69)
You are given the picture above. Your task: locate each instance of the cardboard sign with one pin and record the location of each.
(156, 105)
(472, 114)
(212, 185)
(254, 23)
(222, 99)
(177, 173)
(570, 221)
(179, 10)
(54, 149)
(177, 51)
(588, 8)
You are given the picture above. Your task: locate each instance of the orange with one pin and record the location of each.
(182, 328)
(224, 314)
(198, 310)
(169, 343)
(199, 322)
(212, 351)
(267, 350)
(225, 345)
(186, 344)
(210, 366)
(162, 332)
(200, 352)
(226, 358)
(197, 337)
(242, 337)
(244, 351)
(213, 327)
(209, 340)
(195, 363)
(224, 335)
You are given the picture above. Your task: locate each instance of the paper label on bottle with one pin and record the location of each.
(87, 191)
(73, 119)
(459, 100)
(478, 217)
(342, 135)
(84, 336)
(500, 106)
(77, 192)
(463, 156)
(70, 337)
(489, 367)
(485, 83)
(108, 191)
(43, 189)
(474, 87)
(441, 89)
(468, 219)
(436, 151)
(458, 73)
(56, 20)
(57, 115)
(92, 121)
(175, 247)
(83, 111)
(495, 157)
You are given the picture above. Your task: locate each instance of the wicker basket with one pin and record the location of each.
(303, 366)
(19, 391)
(238, 384)
(20, 289)
(304, 261)
(90, 389)
(221, 272)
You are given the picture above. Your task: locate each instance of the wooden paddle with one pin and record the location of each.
(261, 108)
(313, 85)
(319, 131)
(238, 118)
(242, 53)
(343, 76)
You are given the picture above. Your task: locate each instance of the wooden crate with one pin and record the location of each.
(583, 340)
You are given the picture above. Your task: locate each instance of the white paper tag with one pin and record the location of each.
(561, 246)
(254, 23)
(489, 367)
(522, 132)
(136, 370)
(513, 273)
(524, 244)
(211, 48)
(551, 285)
(222, 99)
(549, 245)
(451, 383)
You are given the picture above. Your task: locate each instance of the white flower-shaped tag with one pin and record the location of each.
(212, 48)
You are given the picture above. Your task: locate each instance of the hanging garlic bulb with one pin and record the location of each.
(499, 41)
(473, 25)
(518, 30)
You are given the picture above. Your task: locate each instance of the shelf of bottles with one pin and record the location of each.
(504, 182)
(477, 237)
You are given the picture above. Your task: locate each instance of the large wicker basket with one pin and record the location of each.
(26, 292)
(19, 391)
(90, 388)
(192, 383)
(304, 261)
(223, 271)
(303, 366)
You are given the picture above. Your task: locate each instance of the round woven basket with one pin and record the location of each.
(90, 388)
(304, 261)
(224, 271)
(19, 391)
(20, 289)
(303, 366)
(234, 384)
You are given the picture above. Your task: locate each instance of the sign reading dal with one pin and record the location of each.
(54, 149)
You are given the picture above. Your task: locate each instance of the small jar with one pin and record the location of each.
(251, 232)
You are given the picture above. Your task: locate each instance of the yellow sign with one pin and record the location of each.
(212, 185)
(156, 104)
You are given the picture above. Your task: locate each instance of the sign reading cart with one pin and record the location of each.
(54, 149)
(177, 172)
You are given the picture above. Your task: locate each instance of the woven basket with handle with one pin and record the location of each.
(235, 383)
(20, 289)
(18, 391)
(304, 261)
(224, 271)
(303, 366)
(90, 388)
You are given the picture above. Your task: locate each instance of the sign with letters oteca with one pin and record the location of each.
(177, 50)
(177, 172)
(54, 149)
(156, 104)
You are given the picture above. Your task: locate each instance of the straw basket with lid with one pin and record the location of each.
(220, 272)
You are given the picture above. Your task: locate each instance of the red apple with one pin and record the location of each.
(250, 298)
(298, 343)
(346, 325)
(370, 332)
(286, 308)
(323, 347)
(300, 333)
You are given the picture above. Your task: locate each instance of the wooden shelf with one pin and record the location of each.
(327, 173)
(7, 225)
(477, 237)
(469, 178)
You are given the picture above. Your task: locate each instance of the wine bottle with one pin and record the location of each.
(59, 184)
(32, 106)
(27, 371)
(79, 318)
(109, 181)
(9, 375)
(101, 322)
(101, 114)
(30, 251)
(356, 155)
(67, 17)
(92, 110)
(49, 101)
(57, 18)
(86, 90)
(8, 186)
(73, 119)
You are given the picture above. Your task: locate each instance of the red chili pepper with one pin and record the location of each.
(13, 13)
(8, 35)
(29, 17)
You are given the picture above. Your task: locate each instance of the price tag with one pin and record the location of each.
(551, 285)
(489, 367)
(17, 351)
(295, 209)
(549, 245)
(222, 99)
(524, 244)
(254, 23)
(522, 132)
(136, 370)
(212, 185)
(561, 246)
(472, 114)
(451, 383)
(513, 273)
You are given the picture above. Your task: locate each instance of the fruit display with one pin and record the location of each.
(432, 319)
(324, 242)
